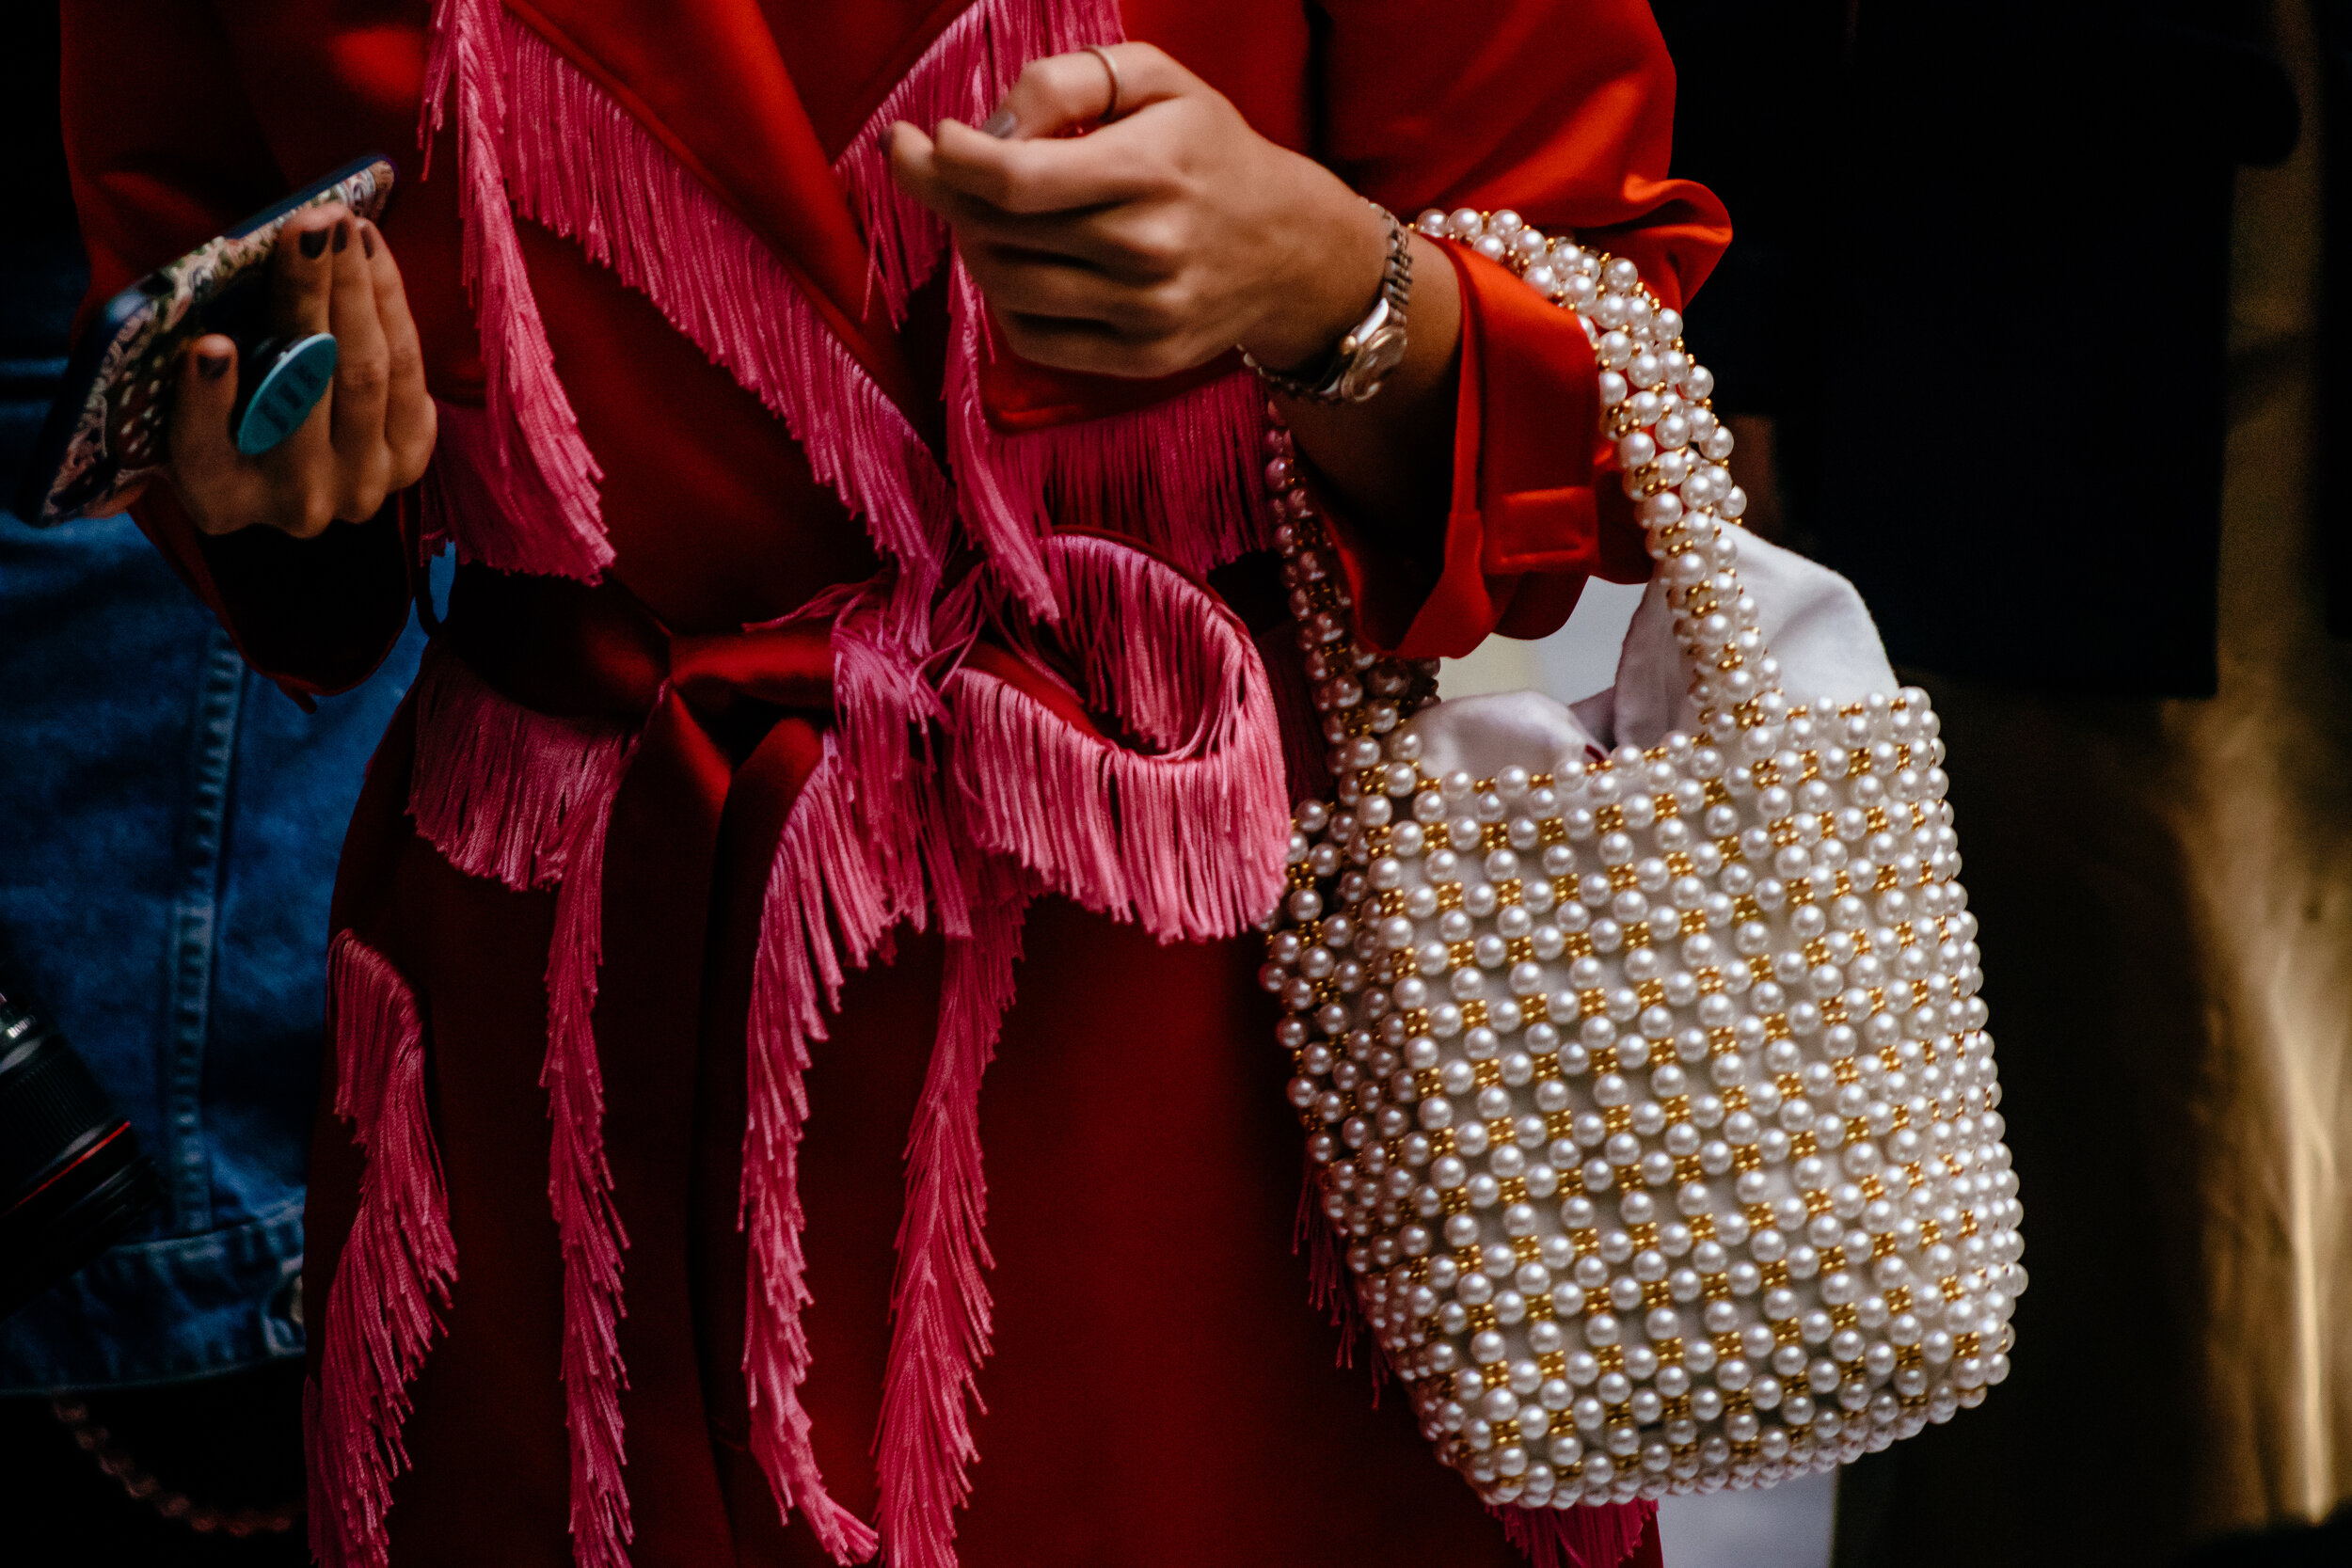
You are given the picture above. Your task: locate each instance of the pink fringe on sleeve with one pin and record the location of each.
(528, 454)
(399, 1260)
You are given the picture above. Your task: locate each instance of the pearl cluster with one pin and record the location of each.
(1650, 1097)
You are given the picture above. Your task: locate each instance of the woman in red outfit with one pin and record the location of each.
(834, 704)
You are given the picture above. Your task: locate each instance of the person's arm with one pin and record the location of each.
(1467, 486)
(163, 155)
(1174, 234)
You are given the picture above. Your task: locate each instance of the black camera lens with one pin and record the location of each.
(73, 1180)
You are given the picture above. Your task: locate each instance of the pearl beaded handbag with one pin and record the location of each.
(1647, 1088)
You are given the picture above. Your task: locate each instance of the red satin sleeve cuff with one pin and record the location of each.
(315, 615)
(1533, 513)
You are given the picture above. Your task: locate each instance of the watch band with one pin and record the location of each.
(1360, 366)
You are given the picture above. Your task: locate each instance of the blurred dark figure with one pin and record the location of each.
(1980, 283)
(1972, 333)
(41, 272)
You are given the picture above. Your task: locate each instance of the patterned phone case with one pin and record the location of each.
(105, 435)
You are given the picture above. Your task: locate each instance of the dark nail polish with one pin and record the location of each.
(212, 367)
(367, 241)
(343, 236)
(999, 124)
(313, 245)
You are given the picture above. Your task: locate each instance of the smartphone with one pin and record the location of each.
(107, 433)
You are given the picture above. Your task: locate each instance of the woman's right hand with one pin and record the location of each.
(371, 433)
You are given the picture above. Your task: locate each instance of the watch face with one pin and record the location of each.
(1377, 356)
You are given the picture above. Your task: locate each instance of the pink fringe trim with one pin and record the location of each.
(1602, 1536)
(1179, 475)
(399, 1259)
(579, 1189)
(505, 792)
(533, 470)
(524, 799)
(970, 66)
(1188, 843)
(582, 166)
(824, 879)
(940, 1307)
(498, 787)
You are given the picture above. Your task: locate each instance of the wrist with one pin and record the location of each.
(1338, 263)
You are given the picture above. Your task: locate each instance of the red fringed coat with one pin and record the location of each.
(828, 709)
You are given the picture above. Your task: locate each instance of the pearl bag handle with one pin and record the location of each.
(1671, 451)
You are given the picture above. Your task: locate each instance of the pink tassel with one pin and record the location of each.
(970, 66)
(397, 1260)
(1328, 1289)
(940, 1307)
(1306, 755)
(582, 166)
(533, 469)
(1601, 1536)
(496, 786)
(523, 797)
(1188, 843)
(824, 879)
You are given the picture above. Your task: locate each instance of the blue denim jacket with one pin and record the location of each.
(169, 824)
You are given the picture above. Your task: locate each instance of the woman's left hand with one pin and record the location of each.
(1153, 242)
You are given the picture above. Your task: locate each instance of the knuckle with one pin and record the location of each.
(365, 375)
(412, 453)
(1053, 78)
(1157, 241)
(1154, 312)
(409, 465)
(1176, 302)
(305, 507)
(363, 503)
(1012, 185)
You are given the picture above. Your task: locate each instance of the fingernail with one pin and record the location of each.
(999, 124)
(343, 236)
(367, 241)
(313, 243)
(212, 366)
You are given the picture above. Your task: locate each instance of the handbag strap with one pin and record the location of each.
(1657, 410)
